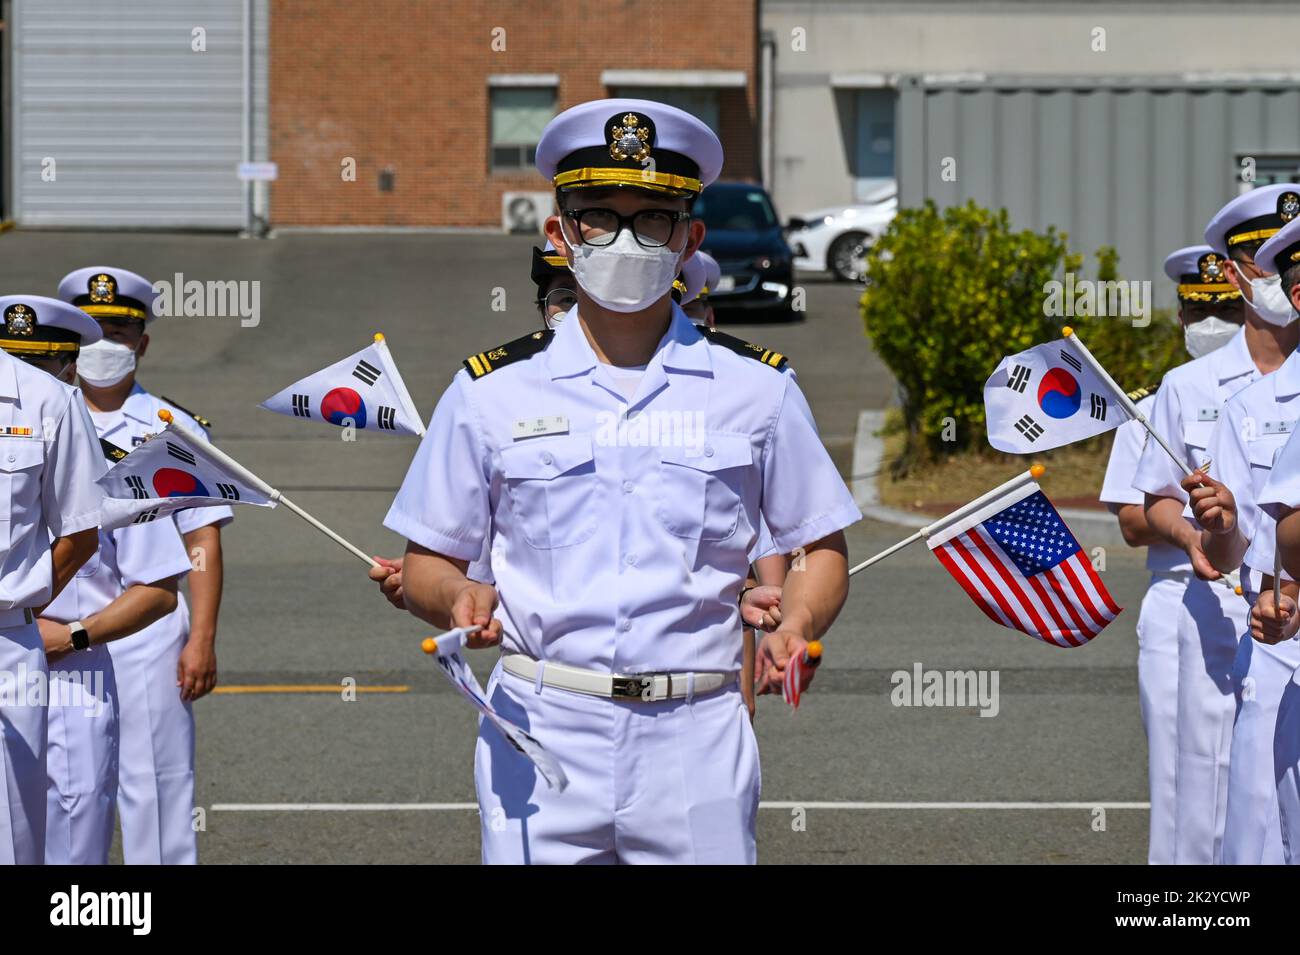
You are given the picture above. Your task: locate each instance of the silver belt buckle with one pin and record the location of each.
(640, 688)
(626, 688)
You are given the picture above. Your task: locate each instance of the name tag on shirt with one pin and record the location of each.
(1207, 414)
(536, 427)
(1277, 427)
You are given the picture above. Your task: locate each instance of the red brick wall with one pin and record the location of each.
(403, 83)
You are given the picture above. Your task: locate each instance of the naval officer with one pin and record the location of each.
(616, 603)
(49, 461)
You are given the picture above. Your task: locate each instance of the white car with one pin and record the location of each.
(836, 239)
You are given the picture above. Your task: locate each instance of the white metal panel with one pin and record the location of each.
(143, 131)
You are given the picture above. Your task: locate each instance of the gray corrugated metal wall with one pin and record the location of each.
(144, 131)
(1136, 163)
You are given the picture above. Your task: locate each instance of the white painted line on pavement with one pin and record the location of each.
(811, 804)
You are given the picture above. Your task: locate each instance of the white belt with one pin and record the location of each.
(16, 617)
(644, 687)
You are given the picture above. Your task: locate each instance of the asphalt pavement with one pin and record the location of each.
(1055, 774)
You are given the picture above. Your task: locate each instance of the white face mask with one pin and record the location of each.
(105, 363)
(1268, 301)
(1205, 336)
(622, 276)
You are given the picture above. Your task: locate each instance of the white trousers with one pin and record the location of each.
(1210, 623)
(1286, 768)
(1261, 674)
(670, 782)
(81, 761)
(22, 746)
(1157, 633)
(155, 797)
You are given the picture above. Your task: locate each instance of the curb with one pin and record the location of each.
(1092, 528)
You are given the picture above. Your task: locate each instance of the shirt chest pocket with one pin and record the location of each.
(554, 490)
(1261, 451)
(701, 486)
(21, 461)
(1196, 435)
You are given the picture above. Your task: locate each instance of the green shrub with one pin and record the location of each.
(952, 292)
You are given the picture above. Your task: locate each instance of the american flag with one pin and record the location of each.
(1021, 565)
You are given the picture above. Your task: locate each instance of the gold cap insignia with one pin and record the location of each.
(103, 290)
(1211, 268)
(20, 320)
(630, 139)
(1288, 206)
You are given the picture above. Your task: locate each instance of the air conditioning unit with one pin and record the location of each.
(522, 213)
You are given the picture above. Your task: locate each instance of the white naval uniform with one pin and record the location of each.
(155, 800)
(47, 483)
(1282, 492)
(1254, 425)
(1209, 617)
(1286, 768)
(1157, 636)
(624, 556)
(82, 761)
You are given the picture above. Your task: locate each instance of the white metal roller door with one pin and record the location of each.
(143, 131)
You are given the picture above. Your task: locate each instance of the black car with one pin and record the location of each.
(745, 236)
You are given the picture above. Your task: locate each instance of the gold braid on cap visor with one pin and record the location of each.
(39, 349)
(114, 311)
(1207, 292)
(589, 177)
(1252, 236)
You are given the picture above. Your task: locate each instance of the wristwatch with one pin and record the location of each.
(80, 635)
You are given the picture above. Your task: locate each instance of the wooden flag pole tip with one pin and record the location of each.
(429, 645)
(1036, 471)
(379, 336)
(165, 415)
(814, 650)
(1067, 331)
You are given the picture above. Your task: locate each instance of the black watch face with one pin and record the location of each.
(80, 639)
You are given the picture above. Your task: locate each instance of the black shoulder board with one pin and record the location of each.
(112, 451)
(180, 407)
(517, 350)
(1137, 394)
(741, 347)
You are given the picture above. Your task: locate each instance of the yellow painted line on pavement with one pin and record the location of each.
(308, 688)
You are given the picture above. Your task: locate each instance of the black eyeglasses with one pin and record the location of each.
(652, 228)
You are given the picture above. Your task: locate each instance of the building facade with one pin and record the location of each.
(1123, 124)
(439, 105)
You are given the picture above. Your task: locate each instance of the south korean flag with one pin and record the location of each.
(363, 391)
(172, 471)
(1047, 397)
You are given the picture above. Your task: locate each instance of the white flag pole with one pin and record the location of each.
(1033, 474)
(210, 450)
(1121, 394)
(341, 541)
(1277, 572)
(404, 396)
(1277, 552)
